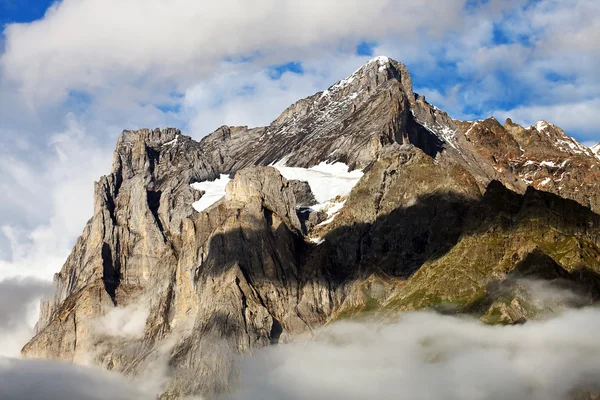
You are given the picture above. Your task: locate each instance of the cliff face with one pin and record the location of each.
(447, 213)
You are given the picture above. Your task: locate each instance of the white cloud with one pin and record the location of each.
(64, 181)
(88, 44)
(429, 356)
(580, 116)
(51, 380)
(570, 25)
(125, 322)
(19, 305)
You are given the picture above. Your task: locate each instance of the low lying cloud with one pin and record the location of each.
(420, 356)
(49, 380)
(125, 322)
(430, 356)
(19, 306)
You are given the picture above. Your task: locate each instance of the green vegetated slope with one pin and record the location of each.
(439, 243)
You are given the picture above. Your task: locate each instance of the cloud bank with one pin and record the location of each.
(430, 356)
(418, 355)
(49, 380)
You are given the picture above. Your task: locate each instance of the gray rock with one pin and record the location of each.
(303, 194)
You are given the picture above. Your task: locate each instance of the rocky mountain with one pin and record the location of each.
(361, 198)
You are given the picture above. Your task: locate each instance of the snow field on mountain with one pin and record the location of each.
(327, 181)
(213, 192)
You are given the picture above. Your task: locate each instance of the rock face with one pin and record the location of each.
(449, 214)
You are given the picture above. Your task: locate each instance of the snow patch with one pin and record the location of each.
(332, 209)
(561, 140)
(380, 60)
(448, 135)
(472, 126)
(541, 125)
(443, 132)
(317, 241)
(213, 192)
(545, 182)
(572, 144)
(171, 141)
(550, 164)
(327, 181)
(596, 150)
(329, 207)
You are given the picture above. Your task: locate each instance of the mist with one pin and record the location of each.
(19, 309)
(51, 380)
(420, 355)
(430, 356)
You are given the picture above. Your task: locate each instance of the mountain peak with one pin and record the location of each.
(383, 64)
(372, 75)
(541, 125)
(382, 61)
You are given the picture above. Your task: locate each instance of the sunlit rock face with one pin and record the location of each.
(361, 198)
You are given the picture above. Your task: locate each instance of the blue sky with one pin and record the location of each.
(16, 11)
(71, 80)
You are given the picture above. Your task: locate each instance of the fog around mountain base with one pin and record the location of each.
(429, 356)
(422, 355)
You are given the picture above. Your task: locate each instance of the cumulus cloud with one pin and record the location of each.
(81, 43)
(430, 356)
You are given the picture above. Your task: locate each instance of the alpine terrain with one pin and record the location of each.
(360, 199)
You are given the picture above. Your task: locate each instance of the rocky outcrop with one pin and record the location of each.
(136, 208)
(220, 283)
(303, 193)
(448, 214)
